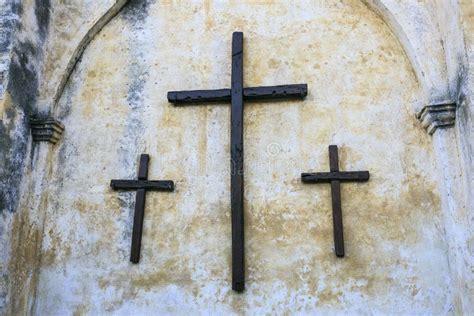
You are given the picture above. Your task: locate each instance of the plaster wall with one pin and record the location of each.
(41, 43)
(23, 31)
(362, 92)
(30, 55)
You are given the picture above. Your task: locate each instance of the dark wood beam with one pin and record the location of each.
(336, 203)
(143, 167)
(326, 177)
(137, 230)
(149, 185)
(237, 163)
(291, 91)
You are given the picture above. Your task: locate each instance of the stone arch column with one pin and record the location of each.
(432, 38)
(417, 28)
(41, 43)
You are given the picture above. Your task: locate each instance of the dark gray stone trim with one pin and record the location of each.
(46, 130)
(437, 116)
(85, 41)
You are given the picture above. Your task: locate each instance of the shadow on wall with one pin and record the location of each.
(20, 96)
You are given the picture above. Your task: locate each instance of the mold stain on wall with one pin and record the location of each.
(360, 87)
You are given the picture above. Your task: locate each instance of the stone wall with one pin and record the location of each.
(8, 19)
(41, 43)
(23, 33)
(29, 59)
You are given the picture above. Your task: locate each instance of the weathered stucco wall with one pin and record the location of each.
(409, 230)
(465, 130)
(75, 23)
(417, 28)
(466, 116)
(23, 31)
(27, 49)
(117, 105)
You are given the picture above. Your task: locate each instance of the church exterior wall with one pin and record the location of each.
(54, 234)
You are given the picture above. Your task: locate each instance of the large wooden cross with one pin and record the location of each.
(236, 95)
(141, 185)
(335, 177)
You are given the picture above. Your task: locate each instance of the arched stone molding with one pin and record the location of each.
(43, 42)
(432, 37)
(74, 25)
(416, 24)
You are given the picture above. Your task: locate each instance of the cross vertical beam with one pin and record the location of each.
(137, 230)
(336, 203)
(140, 200)
(237, 163)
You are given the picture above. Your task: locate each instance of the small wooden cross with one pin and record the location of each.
(335, 177)
(236, 95)
(141, 185)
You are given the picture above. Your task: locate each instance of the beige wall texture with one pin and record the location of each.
(361, 90)
(408, 231)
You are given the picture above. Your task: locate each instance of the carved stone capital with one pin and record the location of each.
(46, 130)
(437, 116)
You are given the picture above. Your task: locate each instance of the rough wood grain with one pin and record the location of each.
(237, 163)
(149, 185)
(291, 91)
(343, 176)
(338, 230)
(137, 230)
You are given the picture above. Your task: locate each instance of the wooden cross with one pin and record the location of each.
(236, 95)
(141, 185)
(335, 177)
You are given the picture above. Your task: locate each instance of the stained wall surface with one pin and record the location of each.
(361, 92)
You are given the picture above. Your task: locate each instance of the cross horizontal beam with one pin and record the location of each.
(291, 91)
(326, 177)
(150, 185)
